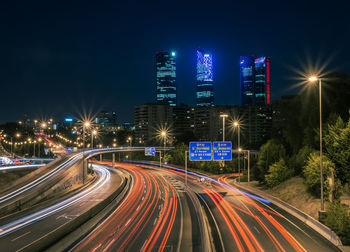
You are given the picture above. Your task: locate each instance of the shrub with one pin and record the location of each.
(278, 172)
(271, 152)
(338, 219)
(311, 173)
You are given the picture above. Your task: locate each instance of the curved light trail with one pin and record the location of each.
(148, 212)
(24, 221)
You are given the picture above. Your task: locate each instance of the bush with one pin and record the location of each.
(311, 173)
(278, 172)
(271, 152)
(338, 219)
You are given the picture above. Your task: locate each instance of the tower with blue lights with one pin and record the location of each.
(166, 78)
(204, 80)
(255, 80)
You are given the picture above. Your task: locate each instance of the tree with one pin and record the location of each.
(278, 172)
(270, 153)
(312, 176)
(337, 145)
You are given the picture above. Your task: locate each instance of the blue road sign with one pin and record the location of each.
(69, 149)
(150, 151)
(222, 151)
(200, 151)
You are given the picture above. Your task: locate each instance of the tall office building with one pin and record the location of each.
(205, 82)
(255, 80)
(166, 78)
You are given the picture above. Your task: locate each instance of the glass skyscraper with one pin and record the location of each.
(205, 82)
(166, 78)
(255, 80)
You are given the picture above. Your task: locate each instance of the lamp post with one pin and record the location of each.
(313, 79)
(223, 126)
(86, 125)
(163, 135)
(93, 133)
(39, 140)
(17, 135)
(236, 125)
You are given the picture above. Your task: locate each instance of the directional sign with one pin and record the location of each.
(222, 151)
(200, 151)
(69, 149)
(150, 151)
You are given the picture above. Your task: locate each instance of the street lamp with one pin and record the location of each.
(39, 146)
(237, 125)
(314, 79)
(223, 126)
(93, 133)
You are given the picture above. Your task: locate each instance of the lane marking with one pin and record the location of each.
(127, 222)
(256, 229)
(20, 236)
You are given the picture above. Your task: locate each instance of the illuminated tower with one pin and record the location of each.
(255, 80)
(166, 78)
(205, 82)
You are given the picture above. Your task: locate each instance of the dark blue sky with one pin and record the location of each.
(58, 58)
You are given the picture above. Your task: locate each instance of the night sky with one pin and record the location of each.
(64, 57)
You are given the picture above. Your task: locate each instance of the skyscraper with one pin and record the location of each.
(205, 82)
(166, 78)
(255, 80)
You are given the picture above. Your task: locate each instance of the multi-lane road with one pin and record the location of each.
(159, 211)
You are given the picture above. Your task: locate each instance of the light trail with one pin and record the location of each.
(139, 211)
(14, 167)
(41, 179)
(241, 233)
(32, 218)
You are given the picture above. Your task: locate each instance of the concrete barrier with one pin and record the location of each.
(52, 237)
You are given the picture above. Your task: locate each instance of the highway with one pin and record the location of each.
(160, 214)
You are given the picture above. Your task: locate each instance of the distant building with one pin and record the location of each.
(204, 79)
(255, 80)
(166, 78)
(106, 118)
(148, 118)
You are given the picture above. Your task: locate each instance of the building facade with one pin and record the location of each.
(204, 79)
(166, 78)
(106, 118)
(255, 80)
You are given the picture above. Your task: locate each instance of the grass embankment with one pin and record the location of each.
(294, 192)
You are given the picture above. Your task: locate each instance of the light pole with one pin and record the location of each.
(39, 140)
(236, 124)
(17, 135)
(86, 124)
(313, 79)
(163, 134)
(93, 133)
(223, 126)
(34, 143)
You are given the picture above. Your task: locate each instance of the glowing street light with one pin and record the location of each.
(93, 134)
(237, 125)
(314, 79)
